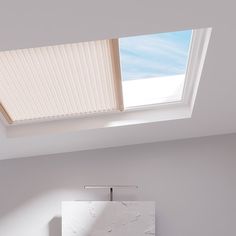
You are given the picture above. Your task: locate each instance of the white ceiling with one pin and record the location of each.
(30, 23)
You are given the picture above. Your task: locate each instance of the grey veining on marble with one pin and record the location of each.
(101, 218)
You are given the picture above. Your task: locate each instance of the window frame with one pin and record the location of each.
(139, 115)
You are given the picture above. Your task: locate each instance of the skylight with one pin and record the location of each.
(106, 76)
(153, 67)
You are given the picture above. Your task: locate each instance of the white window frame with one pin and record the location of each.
(145, 114)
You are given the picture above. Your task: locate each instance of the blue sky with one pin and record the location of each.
(154, 55)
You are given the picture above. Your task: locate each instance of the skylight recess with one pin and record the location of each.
(153, 67)
(106, 76)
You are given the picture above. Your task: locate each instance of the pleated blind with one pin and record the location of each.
(60, 81)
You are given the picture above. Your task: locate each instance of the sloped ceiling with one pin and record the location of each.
(27, 24)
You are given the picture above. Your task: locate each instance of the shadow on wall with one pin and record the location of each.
(55, 226)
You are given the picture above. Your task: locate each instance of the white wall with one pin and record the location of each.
(192, 181)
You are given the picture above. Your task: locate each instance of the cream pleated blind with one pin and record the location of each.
(60, 81)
